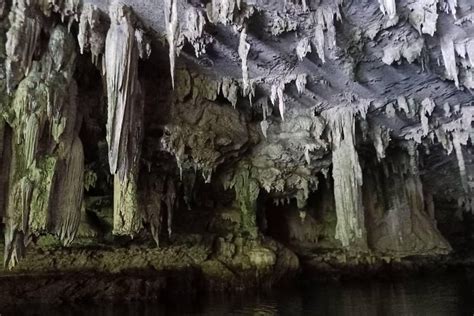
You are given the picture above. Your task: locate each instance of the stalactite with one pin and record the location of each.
(403, 104)
(244, 49)
(121, 62)
(319, 39)
(347, 175)
(301, 83)
(171, 23)
(388, 7)
(449, 58)
(424, 15)
(125, 117)
(303, 48)
(381, 138)
(277, 93)
(44, 108)
(67, 199)
(427, 107)
(222, 11)
(170, 200)
(324, 30)
(453, 135)
(194, 29)
(230, 90)
(264, 125)
(410, 50)
(22, 40)
(458, 139)
(92, 32)
(246, 190)
(452, 6)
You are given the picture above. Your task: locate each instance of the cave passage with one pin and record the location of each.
(230, 144)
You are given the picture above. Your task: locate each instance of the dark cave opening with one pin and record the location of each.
(312, 226)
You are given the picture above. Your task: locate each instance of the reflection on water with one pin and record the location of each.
(428, 296)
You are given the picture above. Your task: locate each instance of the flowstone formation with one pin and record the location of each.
(337, 127)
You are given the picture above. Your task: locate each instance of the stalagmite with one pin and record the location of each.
(171, 23)
(155, 196)
(125, 117)
(347, 175)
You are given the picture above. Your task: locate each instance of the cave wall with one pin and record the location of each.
(133, 118)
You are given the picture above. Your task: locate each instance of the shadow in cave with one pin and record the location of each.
(310, 227)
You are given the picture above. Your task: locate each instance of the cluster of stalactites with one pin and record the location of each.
(457, 53)
(347, 175)
(424, 13)
(451, 135)
(92, 32)
(278, 91)
(26, 23)
(44, 188)
(22, 40)
(400, 214)
(325, 29)
(462, 51)
(460, 131)
(191, 29)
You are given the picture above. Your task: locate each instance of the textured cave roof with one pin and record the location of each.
(273, 57)
(354, 72)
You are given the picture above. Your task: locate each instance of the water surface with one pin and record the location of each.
(446, 295)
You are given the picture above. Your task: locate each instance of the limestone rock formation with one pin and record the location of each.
(347, 124)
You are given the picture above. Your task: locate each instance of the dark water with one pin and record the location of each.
(447, 295)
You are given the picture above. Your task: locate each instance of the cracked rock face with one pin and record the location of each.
(260, 105)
